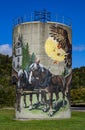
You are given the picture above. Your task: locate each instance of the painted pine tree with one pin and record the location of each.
(33, 57)
(26, 57)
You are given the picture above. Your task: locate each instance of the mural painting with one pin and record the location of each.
(39, 92)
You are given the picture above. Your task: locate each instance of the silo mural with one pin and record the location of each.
(41, 67)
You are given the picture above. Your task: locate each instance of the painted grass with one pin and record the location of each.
(77, 122)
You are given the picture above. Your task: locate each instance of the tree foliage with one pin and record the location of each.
(7, 91)
(28, 58)
(78, 78)
(78, 95)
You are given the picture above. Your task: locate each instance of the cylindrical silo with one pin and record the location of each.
(50, 42)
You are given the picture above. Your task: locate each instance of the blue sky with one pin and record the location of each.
(75, 9)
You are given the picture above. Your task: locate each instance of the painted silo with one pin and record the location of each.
(42, 66)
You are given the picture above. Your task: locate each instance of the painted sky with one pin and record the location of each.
(75, 9)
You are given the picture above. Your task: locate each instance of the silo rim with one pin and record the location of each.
(59, 23)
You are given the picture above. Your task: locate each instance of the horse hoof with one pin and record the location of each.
(30, 108)
(42, 103)
(50, 113)
(25, 105)
(37, 103)
(45, 110)
(18, 109)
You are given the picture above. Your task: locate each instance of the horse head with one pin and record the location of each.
(44, 77)
(36, 73)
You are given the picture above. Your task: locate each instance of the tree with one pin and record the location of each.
(33, 57)
(25, 57)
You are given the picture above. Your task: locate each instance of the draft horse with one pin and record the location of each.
(55, 84)
(23, 85)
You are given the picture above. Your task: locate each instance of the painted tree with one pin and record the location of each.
(26, 57)
(33, 57)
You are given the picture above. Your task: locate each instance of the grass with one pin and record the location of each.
(7, 122)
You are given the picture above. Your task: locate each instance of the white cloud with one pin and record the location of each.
(6, 49)
(79, 48)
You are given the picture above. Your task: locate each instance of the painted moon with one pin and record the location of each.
(52, 50)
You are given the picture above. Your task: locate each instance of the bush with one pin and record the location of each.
(78, 95)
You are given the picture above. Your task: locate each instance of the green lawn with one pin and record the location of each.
(7, 122)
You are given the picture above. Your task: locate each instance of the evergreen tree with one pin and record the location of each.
(25, 57)
(33, 57)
